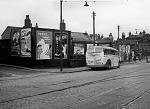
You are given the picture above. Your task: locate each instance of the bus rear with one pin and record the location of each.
(95, 56)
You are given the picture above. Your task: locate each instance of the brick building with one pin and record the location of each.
(134, 44)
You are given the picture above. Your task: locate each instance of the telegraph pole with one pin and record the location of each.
(94, 14)
(118, 27)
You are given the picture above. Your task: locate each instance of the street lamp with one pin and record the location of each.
(86, 4)
(94, 14)
(61, 61)
(61, 32)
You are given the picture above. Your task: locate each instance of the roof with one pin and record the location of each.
(80, 37)
(134, 36)
(146, 37)
(7, 32)
(105, 40)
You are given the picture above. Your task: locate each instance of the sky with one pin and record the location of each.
(128, 14)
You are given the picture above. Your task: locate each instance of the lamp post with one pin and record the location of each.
(94, 14)
(61, 33)
(61, 60)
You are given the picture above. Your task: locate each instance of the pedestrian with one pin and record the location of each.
(140, 56)
(129, 57)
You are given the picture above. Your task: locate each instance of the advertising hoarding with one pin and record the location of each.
(25, 41)
(44, 45)
(15, 42)
(64, 46)
(79, 49)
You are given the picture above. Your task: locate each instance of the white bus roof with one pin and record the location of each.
(103, 47)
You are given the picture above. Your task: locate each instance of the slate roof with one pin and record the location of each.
(105, 40)
(134, 36)
(146, 37)
(80, 37)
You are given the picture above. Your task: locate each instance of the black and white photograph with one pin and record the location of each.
(75, 54)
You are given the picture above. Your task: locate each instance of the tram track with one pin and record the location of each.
(112, 78)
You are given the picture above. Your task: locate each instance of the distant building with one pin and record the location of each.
(144, 44)
(7, 32)
(103, 41)
(138, 43)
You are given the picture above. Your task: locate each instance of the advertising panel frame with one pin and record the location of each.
(15, 42)
(79, 49)
(44, 45)
(25, 42)
(65, 44)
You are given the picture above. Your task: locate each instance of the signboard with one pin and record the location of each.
(79, 49)
(15, 42)
(64, 46)
(25, 41)
(44, 45)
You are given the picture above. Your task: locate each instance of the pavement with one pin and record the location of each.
(17, 72)
(13, 72)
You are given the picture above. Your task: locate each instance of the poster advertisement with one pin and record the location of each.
(78, 49)
(90, 47)
(64, 46)
(15, 43)
(44, 45)
(25, 41)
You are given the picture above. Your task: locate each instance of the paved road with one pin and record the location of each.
(102, 89)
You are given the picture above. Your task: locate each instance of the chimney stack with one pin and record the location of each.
(27, 22)
(63, 25)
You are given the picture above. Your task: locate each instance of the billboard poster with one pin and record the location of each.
(44, 45)
(79, 49)
(64, 46)
(25, 41)
(90, 47)
(15, 42)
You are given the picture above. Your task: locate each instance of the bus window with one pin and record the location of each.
(110, 52)
(106, 52)
(113, 52)
(98, 49)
